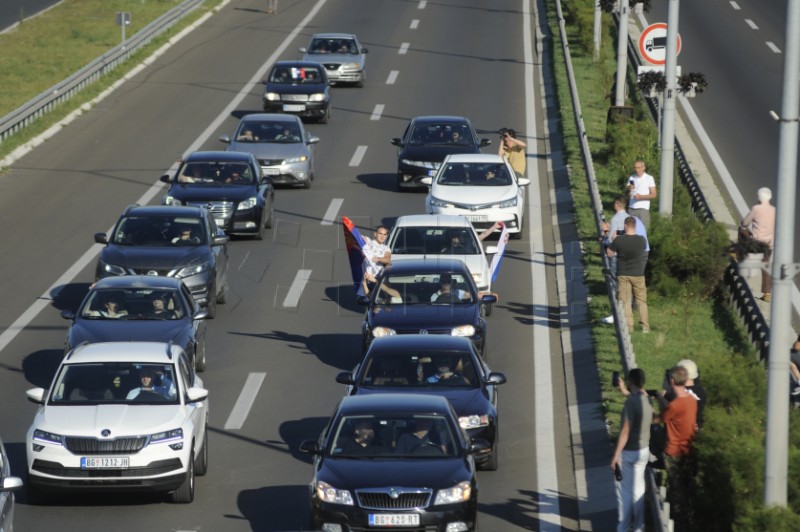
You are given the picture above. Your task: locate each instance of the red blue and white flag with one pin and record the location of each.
(494, 267)
(354, 244)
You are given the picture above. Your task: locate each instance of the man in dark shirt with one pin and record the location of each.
(630, 251)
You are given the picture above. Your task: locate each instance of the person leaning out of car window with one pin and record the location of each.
(513, 149)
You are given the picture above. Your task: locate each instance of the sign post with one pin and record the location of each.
(123, 18)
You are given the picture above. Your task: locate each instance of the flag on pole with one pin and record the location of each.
(494, 267)
(354, 243)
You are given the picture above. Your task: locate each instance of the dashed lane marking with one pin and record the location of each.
(358, 155)
(245, 401)
(332, 212)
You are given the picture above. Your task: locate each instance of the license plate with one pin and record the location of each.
(220, 222)
(476, 217)
(271, 171)
(105, 462)
(293, 108)
(431, 173)
(393, 519)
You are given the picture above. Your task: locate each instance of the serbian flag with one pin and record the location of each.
(354, 243)
(494, 267)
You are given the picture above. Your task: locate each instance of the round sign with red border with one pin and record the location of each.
(653, 44)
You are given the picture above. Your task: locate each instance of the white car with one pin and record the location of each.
(8, 484)
(127, 416)
(481, 187)
(424, 236)
(344, 59)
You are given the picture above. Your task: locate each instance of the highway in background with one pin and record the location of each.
(14, 11)
(463, 58)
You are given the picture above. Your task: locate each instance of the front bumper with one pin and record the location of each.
(288, 174)
(346, 76)
(306, 109)
(410, 176)
(483, 218)
(356, 519)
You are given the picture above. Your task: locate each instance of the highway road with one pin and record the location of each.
(464, 58)
(12, 11)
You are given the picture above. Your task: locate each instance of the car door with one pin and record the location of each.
(198, 332)
(197, 411)
(220, 252)
(265, 189)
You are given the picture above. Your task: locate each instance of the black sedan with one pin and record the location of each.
(425, 143)
(298, 87)
(394, 460)
(440, 365)
(231, 183)
(180, 242)
(143, 308)
(417, 296)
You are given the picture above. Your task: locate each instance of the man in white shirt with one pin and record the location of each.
(377, 252)
(641, 189)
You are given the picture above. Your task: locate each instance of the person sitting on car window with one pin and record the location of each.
(111, 310)
(160, 310)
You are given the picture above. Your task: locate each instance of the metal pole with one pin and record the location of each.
(622, 57)
(783, 270)
(598, 24)
(668, 116)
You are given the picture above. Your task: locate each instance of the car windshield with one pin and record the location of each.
(333, 46)
(431, 134)
(295, 75)
(159, 230)
(396, 436)
(475, 175)
(433, 289)
(268, 133)
(435, 241)
(216, 173)
(114, 383)
(430, 369)
(133, 304)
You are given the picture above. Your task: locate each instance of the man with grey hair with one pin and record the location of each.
(760, 222)
(641, 189)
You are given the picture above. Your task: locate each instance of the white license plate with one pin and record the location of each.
(105, 462)
(476, 217)
(271, 171)
(293, 108)
(393, 519)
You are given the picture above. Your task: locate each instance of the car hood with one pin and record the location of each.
(299, 88)
(121, 420)
(475, 263)
(94, 331)
(271, 150)
(465, 401)
(473, 195)
(155, 257)
(326, 59)
(358, 473)
(422, 316)
(202, 193)
(434, 153)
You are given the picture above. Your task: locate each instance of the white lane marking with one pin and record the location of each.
(414, 24)
(377, 111)
(358, 155)
(296, 290)
(245, 401)
(392, 77)
(750, 23)
(774, 48)
(422, 4)
(735, 6)
(333, 210)
(403, 49)
(44, 300)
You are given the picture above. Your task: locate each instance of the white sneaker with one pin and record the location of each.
(796, 390)
(608, 319)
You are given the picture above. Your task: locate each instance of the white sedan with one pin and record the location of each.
(481, 187)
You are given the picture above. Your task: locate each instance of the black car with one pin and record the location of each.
(231, 183)
(435, 364)
(143, 307)
(394, 460)
(409, 297)
(425, 143)
(180, 242)
(298, 87)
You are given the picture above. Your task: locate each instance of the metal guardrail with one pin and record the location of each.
(20, 118)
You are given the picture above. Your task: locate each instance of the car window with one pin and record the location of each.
(472, 174)
(420, 369)
(187, 372)
(434, 241)
(114, 382)
(159, 230)
(423, 288)
(397, 436)
(133, 304)
(293, 75)
(216, 173)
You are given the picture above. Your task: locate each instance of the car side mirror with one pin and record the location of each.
(201, 314)
(426, 181)
(100, 238)
(196, 395)
(495, 377)
(485, 142)
(67, 314)
(165, 178)
(11, 484)
(345, 377)
(523, 181)
(397, 142)
(362, 300)
(310, 447)
(312, 140)
(221, 240)
(302, 50)
(36, 395)
(478, 446)
(488, 298)
(226, 139)
(491, 250)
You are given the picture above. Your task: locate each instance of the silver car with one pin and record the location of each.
(344, 59)
(283, 147)
(7, 485)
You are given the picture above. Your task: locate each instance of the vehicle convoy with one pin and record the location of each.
(119, 416)
(298, 87)
(396, 461)
(282, 145)
(231, 185)
(182, 242)
(344, 59)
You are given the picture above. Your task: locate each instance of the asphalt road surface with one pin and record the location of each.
(14, 11)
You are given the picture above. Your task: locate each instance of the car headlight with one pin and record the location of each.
(477, 277)
(508, 203)
(49, 437)
(421, 164)
(318, 97)
(463, 330)
(351, 66)
(272, 96)
(379, 332)
(112, 269)
(328, 493)
(473, 422)
(188, 271)
(169, 435)
(170, 200)
(249, 203)
(458, 493)
(436, 202)
(301, 159)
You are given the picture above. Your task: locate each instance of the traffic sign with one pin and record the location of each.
(653, 44)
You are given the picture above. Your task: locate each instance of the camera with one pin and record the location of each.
(615, 379)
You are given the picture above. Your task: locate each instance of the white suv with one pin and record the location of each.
(128, 416)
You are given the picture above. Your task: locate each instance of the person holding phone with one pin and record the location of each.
(641, 189)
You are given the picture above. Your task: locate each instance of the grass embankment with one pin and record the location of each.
(689, 316)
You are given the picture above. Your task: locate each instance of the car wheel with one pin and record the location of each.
(271, 217)
(259, 235)
(325, 116)
(487, 309)
(200, 358)
(222, 296)
(211, 306)
(201, 462)
(185, 492)
(484, 351)
(494, 459)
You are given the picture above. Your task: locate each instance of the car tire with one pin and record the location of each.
(200, 358)
(325, 117)
(185, 492)
(201, 462)
(211, 306)
(494, 459)
(259, 235)
(222, 296)
(271, 218)
(487, 309)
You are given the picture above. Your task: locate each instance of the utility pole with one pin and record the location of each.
(598, 25)
(783, 271)
(622, 57)
(668, 111)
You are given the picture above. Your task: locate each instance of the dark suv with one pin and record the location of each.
(180, 242)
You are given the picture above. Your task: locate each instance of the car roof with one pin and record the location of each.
(333, 36)
(187, 211)
(434, 265)
(414, 342)
(271, 117)
(217, 156)
(439, 118)
(139, 352)
(157, 282)
(474, 158)
(431, 220)
(394, 403)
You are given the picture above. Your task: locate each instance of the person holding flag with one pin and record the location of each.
(494, 267)
(364, 254)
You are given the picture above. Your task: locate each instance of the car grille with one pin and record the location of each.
(153, 468)
(403, 499)
(219, 209)
(472, 207)
(294, 97)
(270, 162)
(150, 271)
(332, 66)
(427, 331)
(93, 446)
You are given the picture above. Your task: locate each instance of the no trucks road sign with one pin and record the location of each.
(653, 44)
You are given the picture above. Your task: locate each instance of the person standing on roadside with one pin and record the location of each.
(632, 452)
(513, 149)
(641, 189)
(760, 224)
(630, 249)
